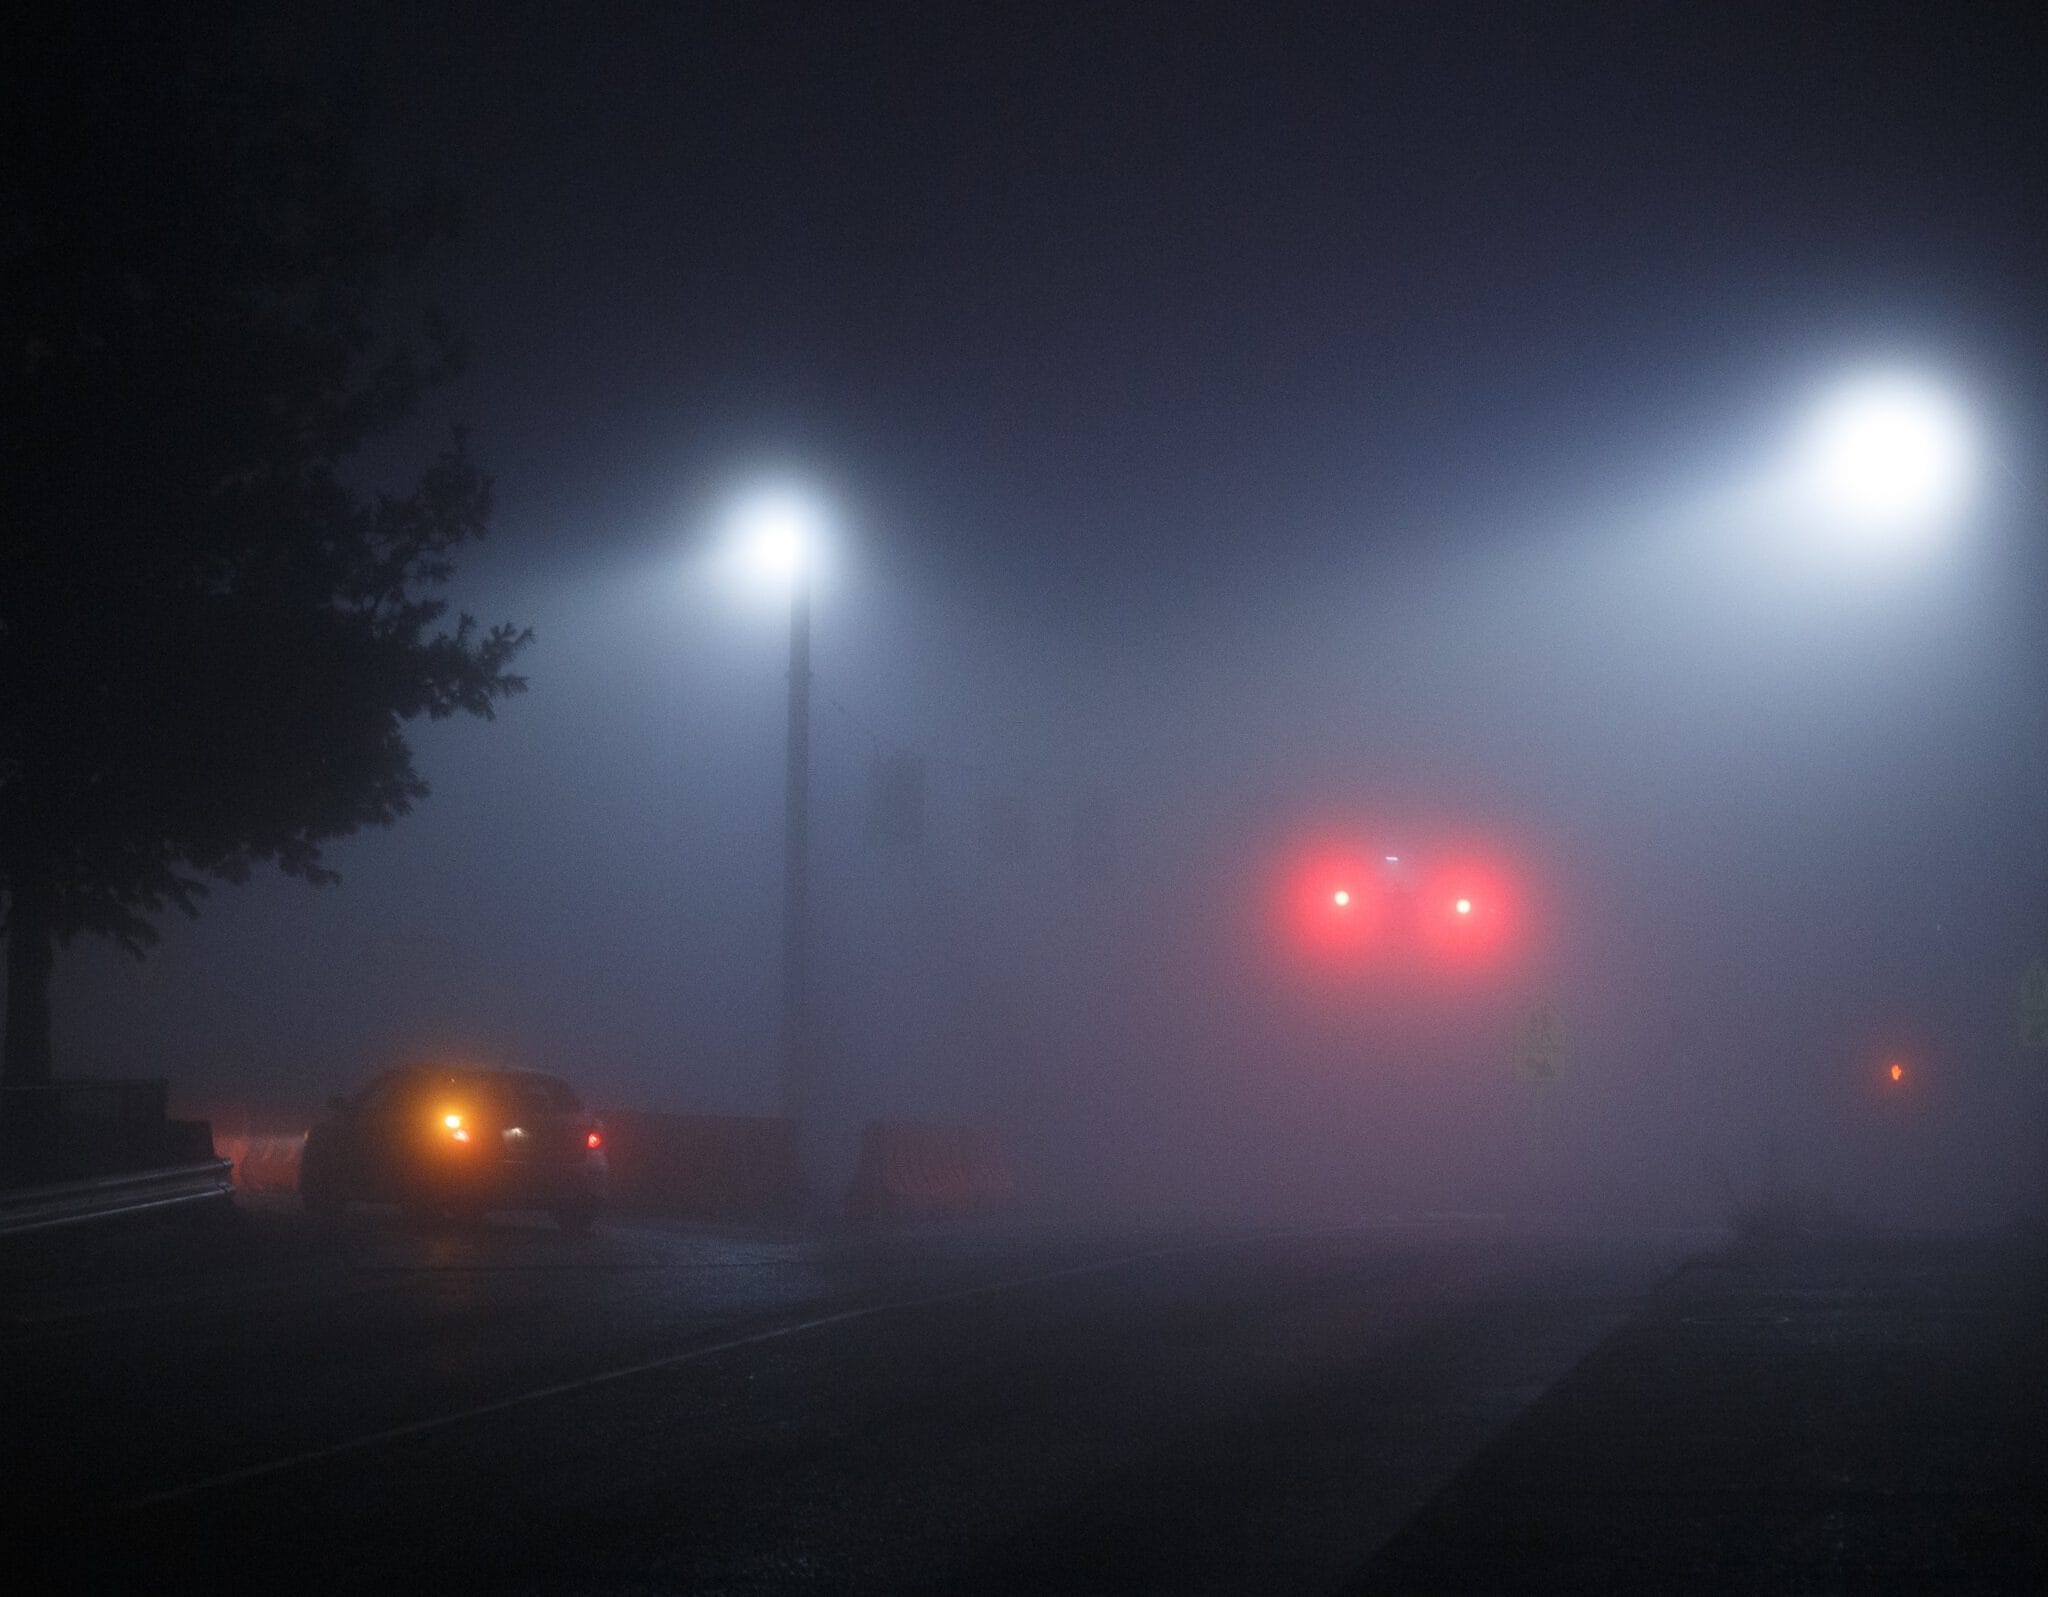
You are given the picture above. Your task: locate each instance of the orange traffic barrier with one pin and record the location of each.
(263, 1164)
(713, 1166)
(918, 1169)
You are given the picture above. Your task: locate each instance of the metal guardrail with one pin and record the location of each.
(103, 1197)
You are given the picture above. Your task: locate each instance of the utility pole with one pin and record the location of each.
(2035, 577)
(797, 1061)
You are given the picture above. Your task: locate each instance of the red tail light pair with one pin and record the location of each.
(1342, 899)
(1349, 911)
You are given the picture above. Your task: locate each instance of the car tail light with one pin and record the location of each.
(593, 1139)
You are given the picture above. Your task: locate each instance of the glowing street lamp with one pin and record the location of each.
(779, 534)
(1887, 457)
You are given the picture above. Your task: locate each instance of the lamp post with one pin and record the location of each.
(797, 1062)
(779, 536)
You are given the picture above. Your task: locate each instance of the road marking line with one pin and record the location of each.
(400, 1433)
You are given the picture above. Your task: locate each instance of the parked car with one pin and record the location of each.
(459, 1142)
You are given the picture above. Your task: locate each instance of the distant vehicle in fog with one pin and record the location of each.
(1349, 906)
(461, 1142)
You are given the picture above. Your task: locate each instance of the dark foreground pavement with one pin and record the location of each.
(497, 1408)
(1860, 1415)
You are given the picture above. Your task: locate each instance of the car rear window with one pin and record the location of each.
(532, 1094)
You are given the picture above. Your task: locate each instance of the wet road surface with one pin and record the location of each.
(663, 1408)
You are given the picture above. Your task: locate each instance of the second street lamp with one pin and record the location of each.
(1887, 457)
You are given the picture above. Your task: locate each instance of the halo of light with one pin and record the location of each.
(777, 532)
(1890, 452)
(1341, 897)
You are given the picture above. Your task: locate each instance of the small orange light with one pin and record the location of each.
(1898, 1071)
(593, 1141)
(460, 1134)
(1341, 897)
(451, 1121)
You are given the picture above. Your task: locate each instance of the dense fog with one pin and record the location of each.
(1209, 524)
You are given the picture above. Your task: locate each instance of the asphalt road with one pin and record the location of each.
(667, 1409)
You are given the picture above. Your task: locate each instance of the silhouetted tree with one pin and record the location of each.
(211, 639)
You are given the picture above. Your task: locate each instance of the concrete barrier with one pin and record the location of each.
(704, 1166)
(263, 1164)
(919, 1170)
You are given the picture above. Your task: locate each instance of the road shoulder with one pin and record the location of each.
(1854, 1413)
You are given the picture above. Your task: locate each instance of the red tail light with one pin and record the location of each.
(593, 1140)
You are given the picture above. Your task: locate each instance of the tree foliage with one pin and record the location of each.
(211, 638)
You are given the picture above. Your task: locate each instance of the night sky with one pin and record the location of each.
(1275, 418)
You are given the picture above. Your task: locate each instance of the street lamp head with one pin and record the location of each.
(1888, 455)
(778, 532)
